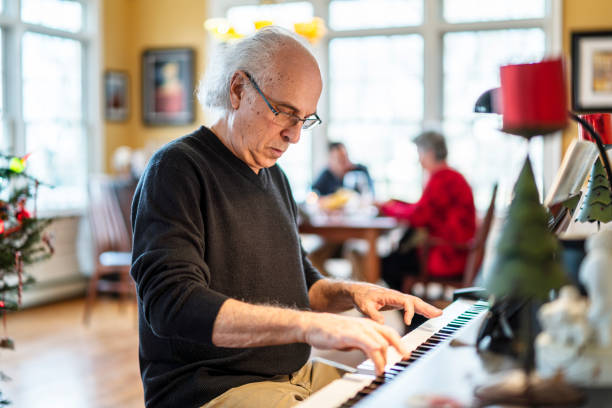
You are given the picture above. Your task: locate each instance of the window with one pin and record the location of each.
(424, 63)
(48, 110)
(392, 67)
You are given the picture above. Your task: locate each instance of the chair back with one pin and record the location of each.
(108, 227)
(477, 250)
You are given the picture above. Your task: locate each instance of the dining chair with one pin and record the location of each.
(112, 244)
(474, 248)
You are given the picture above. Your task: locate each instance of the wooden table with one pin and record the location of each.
(341, 228)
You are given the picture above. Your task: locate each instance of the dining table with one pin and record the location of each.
(340, 228)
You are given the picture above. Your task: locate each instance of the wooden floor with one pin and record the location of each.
(59, 362)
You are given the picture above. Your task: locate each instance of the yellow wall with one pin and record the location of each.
(130, 27)
(582, 15)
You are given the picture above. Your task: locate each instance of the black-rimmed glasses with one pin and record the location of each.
(285, 119)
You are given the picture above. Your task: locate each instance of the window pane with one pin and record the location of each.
(53, 114)
(472, 60)
(359, 14)
(61, 14)
(283, 14)
(471, 66)
(462, 11)
(376, 106)
(296, 163)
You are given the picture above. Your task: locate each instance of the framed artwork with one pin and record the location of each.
(167, 86)
(116, 96)
(592, 71)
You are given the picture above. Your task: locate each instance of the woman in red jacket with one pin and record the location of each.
(445, 210)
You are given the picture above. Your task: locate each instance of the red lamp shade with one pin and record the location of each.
(533, 98)
(601, 123)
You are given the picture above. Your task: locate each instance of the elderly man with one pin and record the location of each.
(229, 305)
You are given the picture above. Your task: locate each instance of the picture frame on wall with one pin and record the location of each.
(167, 86)
(116, 96)
(592, 71)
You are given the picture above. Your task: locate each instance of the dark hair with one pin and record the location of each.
(432, 141)
(334, 145)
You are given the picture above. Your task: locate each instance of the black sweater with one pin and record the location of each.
(207, 228)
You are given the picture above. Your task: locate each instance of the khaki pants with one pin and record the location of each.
(282, 391)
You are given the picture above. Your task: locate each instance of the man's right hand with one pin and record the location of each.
(330, 331)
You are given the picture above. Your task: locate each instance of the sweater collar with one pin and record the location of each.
(261, 179)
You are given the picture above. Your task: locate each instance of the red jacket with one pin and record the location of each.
(446, 210)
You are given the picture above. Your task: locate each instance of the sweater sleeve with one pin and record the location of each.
(172, 278)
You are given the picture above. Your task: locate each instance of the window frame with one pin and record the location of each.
(432, 30)
(13, 30)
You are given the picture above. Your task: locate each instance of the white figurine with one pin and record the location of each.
(577, 334)
(596, 276)
(565, 319)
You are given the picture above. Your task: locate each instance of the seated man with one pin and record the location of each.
(228, 304)
(445, 210)
(331, 179)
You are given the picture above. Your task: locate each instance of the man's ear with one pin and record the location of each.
(236, 89)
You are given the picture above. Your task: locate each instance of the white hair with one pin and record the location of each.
(252, 54)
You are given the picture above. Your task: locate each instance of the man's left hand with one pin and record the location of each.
(372, 299)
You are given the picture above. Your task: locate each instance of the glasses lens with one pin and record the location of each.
(285, 120)
(310, 123)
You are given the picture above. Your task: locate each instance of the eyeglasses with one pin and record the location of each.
(285, 119)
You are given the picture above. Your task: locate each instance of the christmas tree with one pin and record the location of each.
(597, 204)
(22, 241)
(526, 265)
(527, 259)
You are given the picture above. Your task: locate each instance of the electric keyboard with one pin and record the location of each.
(425, 342)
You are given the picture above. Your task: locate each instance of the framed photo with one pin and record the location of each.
(592, 71)
(116, 96)
(167, 86)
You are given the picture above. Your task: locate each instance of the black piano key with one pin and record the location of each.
(425, 346)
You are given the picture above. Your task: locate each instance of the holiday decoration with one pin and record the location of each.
(597, 203)
(601, 123)
(22, 241)
(527, 259)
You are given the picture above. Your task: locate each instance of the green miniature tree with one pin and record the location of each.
(597, 204)
(526, 266)
(527, 260)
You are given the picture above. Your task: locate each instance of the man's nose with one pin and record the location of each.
(292, 134)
